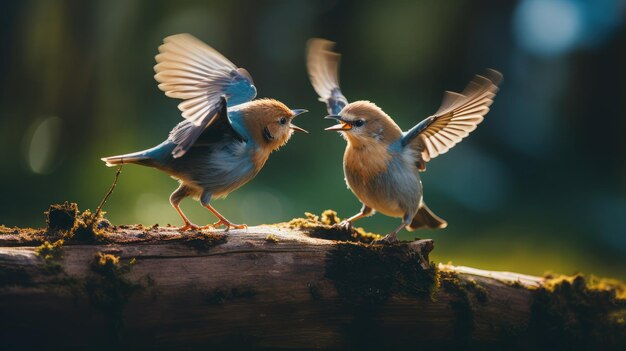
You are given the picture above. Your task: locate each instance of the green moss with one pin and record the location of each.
(88, 227)
(571, 312)
(52, 255)
(327, 226)
(463, 294)
(271, 238)
(66, 221)
(370, 274)
(202, 241)
(108, 289)
(613, 287)
(221, 296)
(481, 293)
(6, 230)
(330, 217)
(365, 277)
(62, 217)
(516, 284)
(49, 251)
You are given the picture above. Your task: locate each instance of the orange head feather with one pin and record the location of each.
(363, 123)
(269, 122)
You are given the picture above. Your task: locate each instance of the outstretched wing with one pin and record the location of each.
(323, 67)
(220, 127)
(458, 115)
(191, 70)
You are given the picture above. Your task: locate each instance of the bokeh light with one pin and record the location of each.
(548, 27)
(41, 144)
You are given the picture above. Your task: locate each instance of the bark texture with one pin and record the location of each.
(277, 287)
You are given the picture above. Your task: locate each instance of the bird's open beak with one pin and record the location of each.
(298, 129)
(343, 125)
(297, 112)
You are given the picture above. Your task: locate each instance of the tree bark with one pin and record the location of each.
(278, 287)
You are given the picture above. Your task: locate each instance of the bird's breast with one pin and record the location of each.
(259, 156)
(387, 182)
(366, 162)
(219, 168)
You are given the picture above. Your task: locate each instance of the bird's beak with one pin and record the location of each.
(298, 129)
(298, 111)
(343, 125)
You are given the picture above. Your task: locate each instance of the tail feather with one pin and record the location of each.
(153, 157)
(425, 218)
(136, 157)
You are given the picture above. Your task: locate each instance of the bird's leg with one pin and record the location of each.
(188, 225)
(177, 196)
(365, 211)
(392, 237)
(224, 221)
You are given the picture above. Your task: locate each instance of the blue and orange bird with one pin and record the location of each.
(381, 162)
(225, 137)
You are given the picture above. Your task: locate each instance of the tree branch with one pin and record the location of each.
(279, 287)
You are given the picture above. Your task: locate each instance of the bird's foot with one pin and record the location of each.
(344, 225)
(189, 226)
(388, 239)
(228, 225)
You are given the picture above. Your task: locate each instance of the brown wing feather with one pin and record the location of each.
(323, 68)
(458, 115)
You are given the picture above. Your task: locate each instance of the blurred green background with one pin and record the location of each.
(540, 185)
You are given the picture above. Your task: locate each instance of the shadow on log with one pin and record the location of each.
(282, 286)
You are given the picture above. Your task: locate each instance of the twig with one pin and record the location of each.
(117, 175)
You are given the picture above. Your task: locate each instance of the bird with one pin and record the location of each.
(226, 135)
(382, 163)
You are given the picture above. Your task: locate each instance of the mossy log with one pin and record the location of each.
(278, 286)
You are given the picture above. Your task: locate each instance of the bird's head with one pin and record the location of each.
(269, 122)
(363, 122)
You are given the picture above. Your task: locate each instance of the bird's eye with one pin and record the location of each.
(359, 123)
(282, 120)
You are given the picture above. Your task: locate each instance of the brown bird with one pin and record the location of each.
(381, 162)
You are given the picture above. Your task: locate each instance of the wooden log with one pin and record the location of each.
(270, 287)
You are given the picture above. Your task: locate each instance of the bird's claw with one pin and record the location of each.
(228, 225)
(388, 239)
(344, 225)
(189, 226)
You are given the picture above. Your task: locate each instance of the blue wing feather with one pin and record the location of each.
(415, 131)
(323, 67)
(240, 89)
(216, 126)
(336, 102)
(189, 69)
